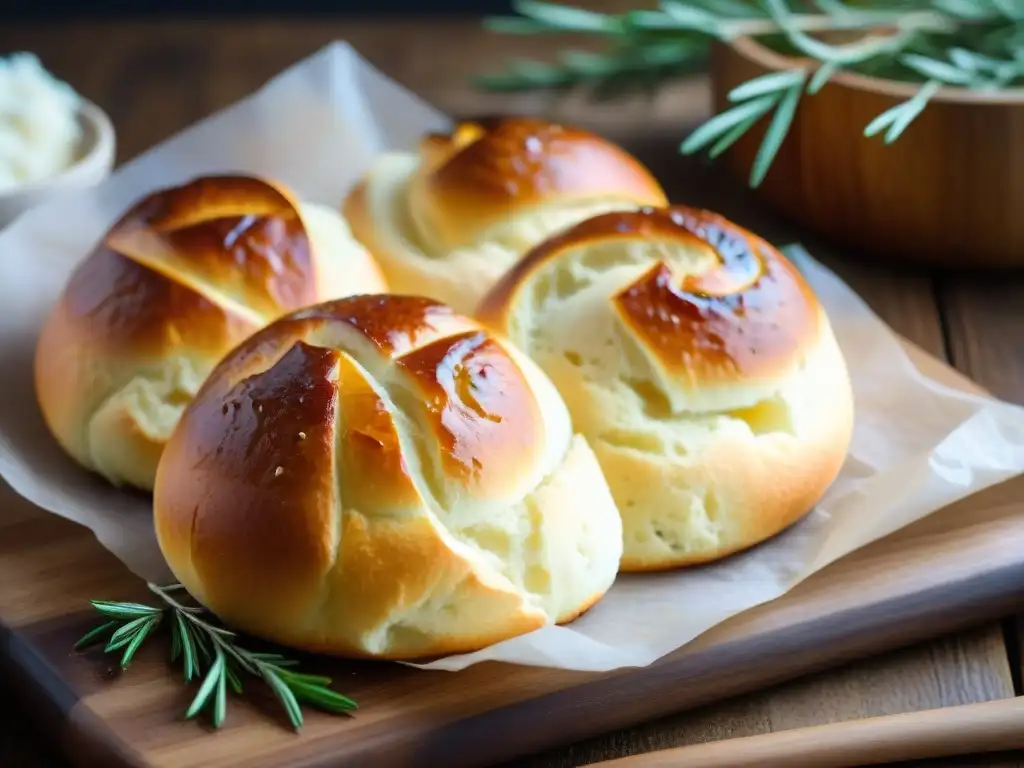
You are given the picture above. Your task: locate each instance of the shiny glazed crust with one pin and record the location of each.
(698, 364)
(447, 221)
(379, 477)
(182, 277)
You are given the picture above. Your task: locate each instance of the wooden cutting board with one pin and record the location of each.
(960, 566)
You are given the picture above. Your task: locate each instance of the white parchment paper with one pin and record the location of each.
(917, 447)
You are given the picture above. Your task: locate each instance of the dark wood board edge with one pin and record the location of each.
(523, 729)
(58, 710)
(597, 704)
(763, 659)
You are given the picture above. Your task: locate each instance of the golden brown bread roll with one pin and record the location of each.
(380, 477)
(180, 279)
(447, 221)
(700, 367)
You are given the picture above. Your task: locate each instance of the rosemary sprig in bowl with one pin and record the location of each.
(210, 652)
(976, 45)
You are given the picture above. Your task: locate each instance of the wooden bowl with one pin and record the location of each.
(948, 192)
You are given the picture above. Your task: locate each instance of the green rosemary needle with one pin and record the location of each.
(968, 44)
(210, 652)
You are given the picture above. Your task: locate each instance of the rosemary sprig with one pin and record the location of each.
(210, 652)
(972, 44)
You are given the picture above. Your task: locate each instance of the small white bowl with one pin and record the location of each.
(95, 161)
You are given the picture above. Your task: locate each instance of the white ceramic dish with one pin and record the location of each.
(95, 161)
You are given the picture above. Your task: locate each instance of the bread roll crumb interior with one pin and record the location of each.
(381, 477)
(698, 364)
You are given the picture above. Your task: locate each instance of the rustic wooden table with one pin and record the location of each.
(156, 78)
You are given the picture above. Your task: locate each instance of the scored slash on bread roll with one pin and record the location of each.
(379, 477)
(180, 279)
(446, 222)
(700, 367)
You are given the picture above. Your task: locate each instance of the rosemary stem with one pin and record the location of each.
(216, 634)
(923, 21)
(187, 609)
(162, 594)
(204, 644)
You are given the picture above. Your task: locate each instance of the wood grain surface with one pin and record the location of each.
(155, 79)
(988, 726)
